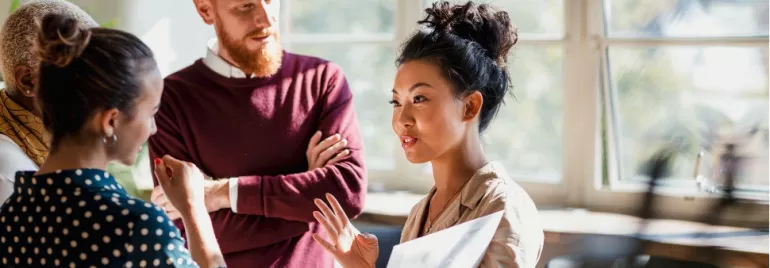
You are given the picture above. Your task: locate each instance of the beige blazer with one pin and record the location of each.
(518, 240)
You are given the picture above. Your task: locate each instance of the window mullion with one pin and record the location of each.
(581, 95)
(407, 14)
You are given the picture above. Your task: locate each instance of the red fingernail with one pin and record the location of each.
(157, 161)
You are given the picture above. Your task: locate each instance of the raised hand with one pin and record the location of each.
(329, 151)
(348, 246)
(182, 184)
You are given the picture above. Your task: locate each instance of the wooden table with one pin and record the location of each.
(565, 228)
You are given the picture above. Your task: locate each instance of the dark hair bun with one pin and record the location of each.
(61, 39)
(480, 23)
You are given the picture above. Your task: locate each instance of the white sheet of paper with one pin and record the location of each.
(460, 246)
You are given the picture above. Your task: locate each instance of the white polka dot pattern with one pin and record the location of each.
(89, 221)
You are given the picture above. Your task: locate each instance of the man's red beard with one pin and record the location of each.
(264, 62)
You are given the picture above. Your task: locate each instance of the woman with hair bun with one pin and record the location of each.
(98, 90)
(451, 81)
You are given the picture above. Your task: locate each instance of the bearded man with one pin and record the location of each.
(255, 116)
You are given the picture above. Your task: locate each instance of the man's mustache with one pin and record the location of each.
(260, 33)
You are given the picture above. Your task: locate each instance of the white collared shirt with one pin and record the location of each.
(224, 68)
(220, 65)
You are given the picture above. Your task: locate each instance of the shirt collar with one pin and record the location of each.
(479, 184)
(220, 65)
(469, 198)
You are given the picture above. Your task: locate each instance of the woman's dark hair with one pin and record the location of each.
(83, 71)
(470, 43)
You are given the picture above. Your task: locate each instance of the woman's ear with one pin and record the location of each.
(25, 80)
(472, 105)
(109, 122)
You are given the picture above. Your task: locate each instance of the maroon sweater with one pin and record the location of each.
(258, 130)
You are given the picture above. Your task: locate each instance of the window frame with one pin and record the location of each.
(586, 89)
(682, 201)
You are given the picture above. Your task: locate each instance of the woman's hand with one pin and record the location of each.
(182, 184)
(348, 246)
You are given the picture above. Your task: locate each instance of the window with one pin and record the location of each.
(685, 19)
(599, 86)
(687, 75)
(690, 75)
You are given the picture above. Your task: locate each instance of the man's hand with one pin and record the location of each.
(216, 197)
(326, 152)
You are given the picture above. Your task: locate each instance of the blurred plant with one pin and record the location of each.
(108, 24)
(128, 175)
(113, 23)
(14, 5)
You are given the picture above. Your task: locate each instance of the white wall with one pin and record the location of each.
(5, 6)
(172, 28)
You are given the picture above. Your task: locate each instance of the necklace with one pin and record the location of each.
(429, 223)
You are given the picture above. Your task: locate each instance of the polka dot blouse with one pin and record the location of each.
(84, 218)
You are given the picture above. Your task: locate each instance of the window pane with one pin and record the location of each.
(686, 18)
(526, 136)
(341, 16)
(371, 81)
(529, 16)
(697, 97)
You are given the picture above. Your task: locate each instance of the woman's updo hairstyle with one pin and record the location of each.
(84, 70)
(470, 43)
